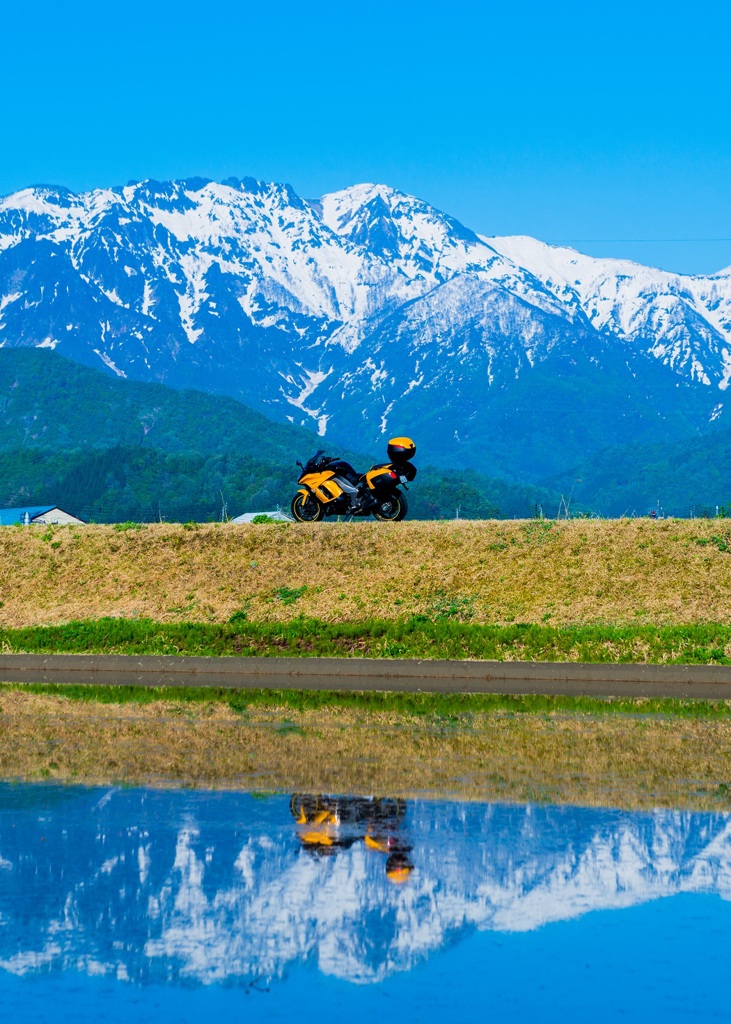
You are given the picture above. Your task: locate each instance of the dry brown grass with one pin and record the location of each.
(626, 571)
(605, 760)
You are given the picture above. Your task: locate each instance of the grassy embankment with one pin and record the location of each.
(627, 590)
(583, 590)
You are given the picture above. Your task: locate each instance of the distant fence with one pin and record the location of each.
(210, 514)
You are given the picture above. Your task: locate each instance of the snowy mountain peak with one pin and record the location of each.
(684, 320)
(367, 295)
(425, 243)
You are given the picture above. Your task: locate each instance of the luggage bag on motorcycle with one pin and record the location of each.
(401, 449)
(379, 478)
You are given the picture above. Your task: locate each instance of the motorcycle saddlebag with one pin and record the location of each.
(379, 477)
(405, 469)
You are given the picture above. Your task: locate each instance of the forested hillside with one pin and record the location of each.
(50, 402)
(120, 483)
(108, 449)
(681, 478)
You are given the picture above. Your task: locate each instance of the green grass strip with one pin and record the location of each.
(444, 707)
(416, 637)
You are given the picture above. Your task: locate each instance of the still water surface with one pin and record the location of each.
(149, 905)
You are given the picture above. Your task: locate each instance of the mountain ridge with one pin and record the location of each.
(366, 313)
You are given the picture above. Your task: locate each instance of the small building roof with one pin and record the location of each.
(35, 513)
(278, 515)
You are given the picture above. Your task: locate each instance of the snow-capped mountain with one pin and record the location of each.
(683, 321)
(366, 313)
(198, 888)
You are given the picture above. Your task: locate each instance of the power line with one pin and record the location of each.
(629, 241)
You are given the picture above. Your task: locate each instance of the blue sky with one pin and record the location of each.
(594, 123)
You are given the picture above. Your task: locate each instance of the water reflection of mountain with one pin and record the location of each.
(168, 886)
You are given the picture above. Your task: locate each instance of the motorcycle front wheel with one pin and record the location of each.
(306, 508)
(391, 509)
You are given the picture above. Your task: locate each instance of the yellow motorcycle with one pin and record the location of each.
(331, 487)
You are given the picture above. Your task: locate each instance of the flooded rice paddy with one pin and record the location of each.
(171, 905)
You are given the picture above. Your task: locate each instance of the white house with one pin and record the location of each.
(44, 515)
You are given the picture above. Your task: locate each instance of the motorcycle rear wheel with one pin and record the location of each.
(391, 509)
(307, 509)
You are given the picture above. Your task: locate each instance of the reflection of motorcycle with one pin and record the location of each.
(331, 487)
(326, 824)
